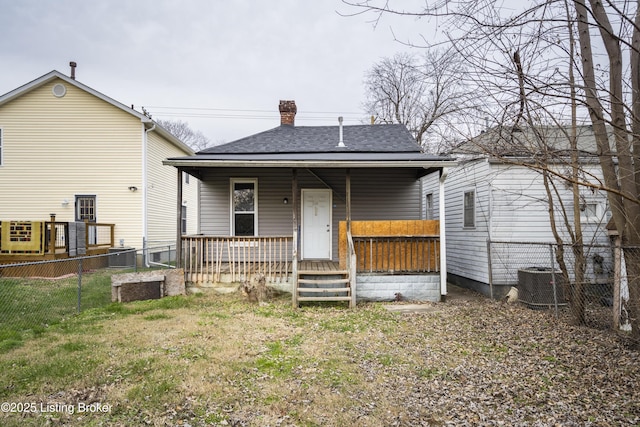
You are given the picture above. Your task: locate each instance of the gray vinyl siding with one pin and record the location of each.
(274, 217)
(384, 194)
(375, 195)
(430, 184)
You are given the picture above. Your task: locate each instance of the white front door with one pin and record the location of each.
(316, 224)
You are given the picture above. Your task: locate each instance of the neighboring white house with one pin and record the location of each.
(491, 199)
(67, 149)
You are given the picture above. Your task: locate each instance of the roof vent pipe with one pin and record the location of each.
(341, 141)
(73, 65)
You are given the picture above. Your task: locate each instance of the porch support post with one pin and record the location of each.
(179, 221)
(443, 241)
(294, 256)
(349, 261)
(348, 196)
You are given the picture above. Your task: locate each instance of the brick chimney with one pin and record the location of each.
(288, 111)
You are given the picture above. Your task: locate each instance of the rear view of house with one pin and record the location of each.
(309, 205)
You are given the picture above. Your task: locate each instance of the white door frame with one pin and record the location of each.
(305, 191)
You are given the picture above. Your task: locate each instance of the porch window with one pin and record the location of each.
(428, 202)
(244, 205)
(183, 219)
(469, 220)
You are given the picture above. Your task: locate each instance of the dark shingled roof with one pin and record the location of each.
(287, 139)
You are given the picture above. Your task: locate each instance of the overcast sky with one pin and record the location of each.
(222, 66)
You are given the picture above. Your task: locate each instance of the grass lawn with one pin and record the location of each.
(209, 359)
(29, 306)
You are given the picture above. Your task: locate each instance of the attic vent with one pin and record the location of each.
(59, 90)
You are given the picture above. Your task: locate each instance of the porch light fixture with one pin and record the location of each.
(65, 202)
(133, 188)
(285, 201)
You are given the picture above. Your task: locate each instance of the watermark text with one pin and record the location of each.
(66, 408)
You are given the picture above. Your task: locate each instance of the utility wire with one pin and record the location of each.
(226, 113)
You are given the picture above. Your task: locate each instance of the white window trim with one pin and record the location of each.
(598, 217)
(1, 148)
(232, 182)
(475, 203)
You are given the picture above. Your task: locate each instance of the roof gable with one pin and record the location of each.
(40, 81)
(53, 75)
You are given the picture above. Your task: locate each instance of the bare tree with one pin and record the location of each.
(609, 104)
(524, 62)
(181, 130)
(420, 91)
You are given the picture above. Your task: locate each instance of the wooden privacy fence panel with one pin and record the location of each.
(207, 258)
(397, 254)
(395, 246)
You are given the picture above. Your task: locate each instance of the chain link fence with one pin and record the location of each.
(36, 295)
(590, 285)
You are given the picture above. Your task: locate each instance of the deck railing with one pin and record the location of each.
(397, 254)
(207, 258)
(96, 234)
(51, 237)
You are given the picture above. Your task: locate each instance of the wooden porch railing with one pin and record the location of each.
(397, 254)
(392, 246)
(352, 260)
(207, 258)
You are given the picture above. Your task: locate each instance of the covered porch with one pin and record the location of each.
(291, 203)
(380, 247)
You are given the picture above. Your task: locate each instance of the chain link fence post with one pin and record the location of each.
(489, 267)
(554, 288)
(79, 285)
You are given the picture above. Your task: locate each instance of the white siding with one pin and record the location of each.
(467, 247)
(511, 205)
(520, 201)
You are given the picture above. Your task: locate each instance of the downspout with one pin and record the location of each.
(443, 241)
(145, 205)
